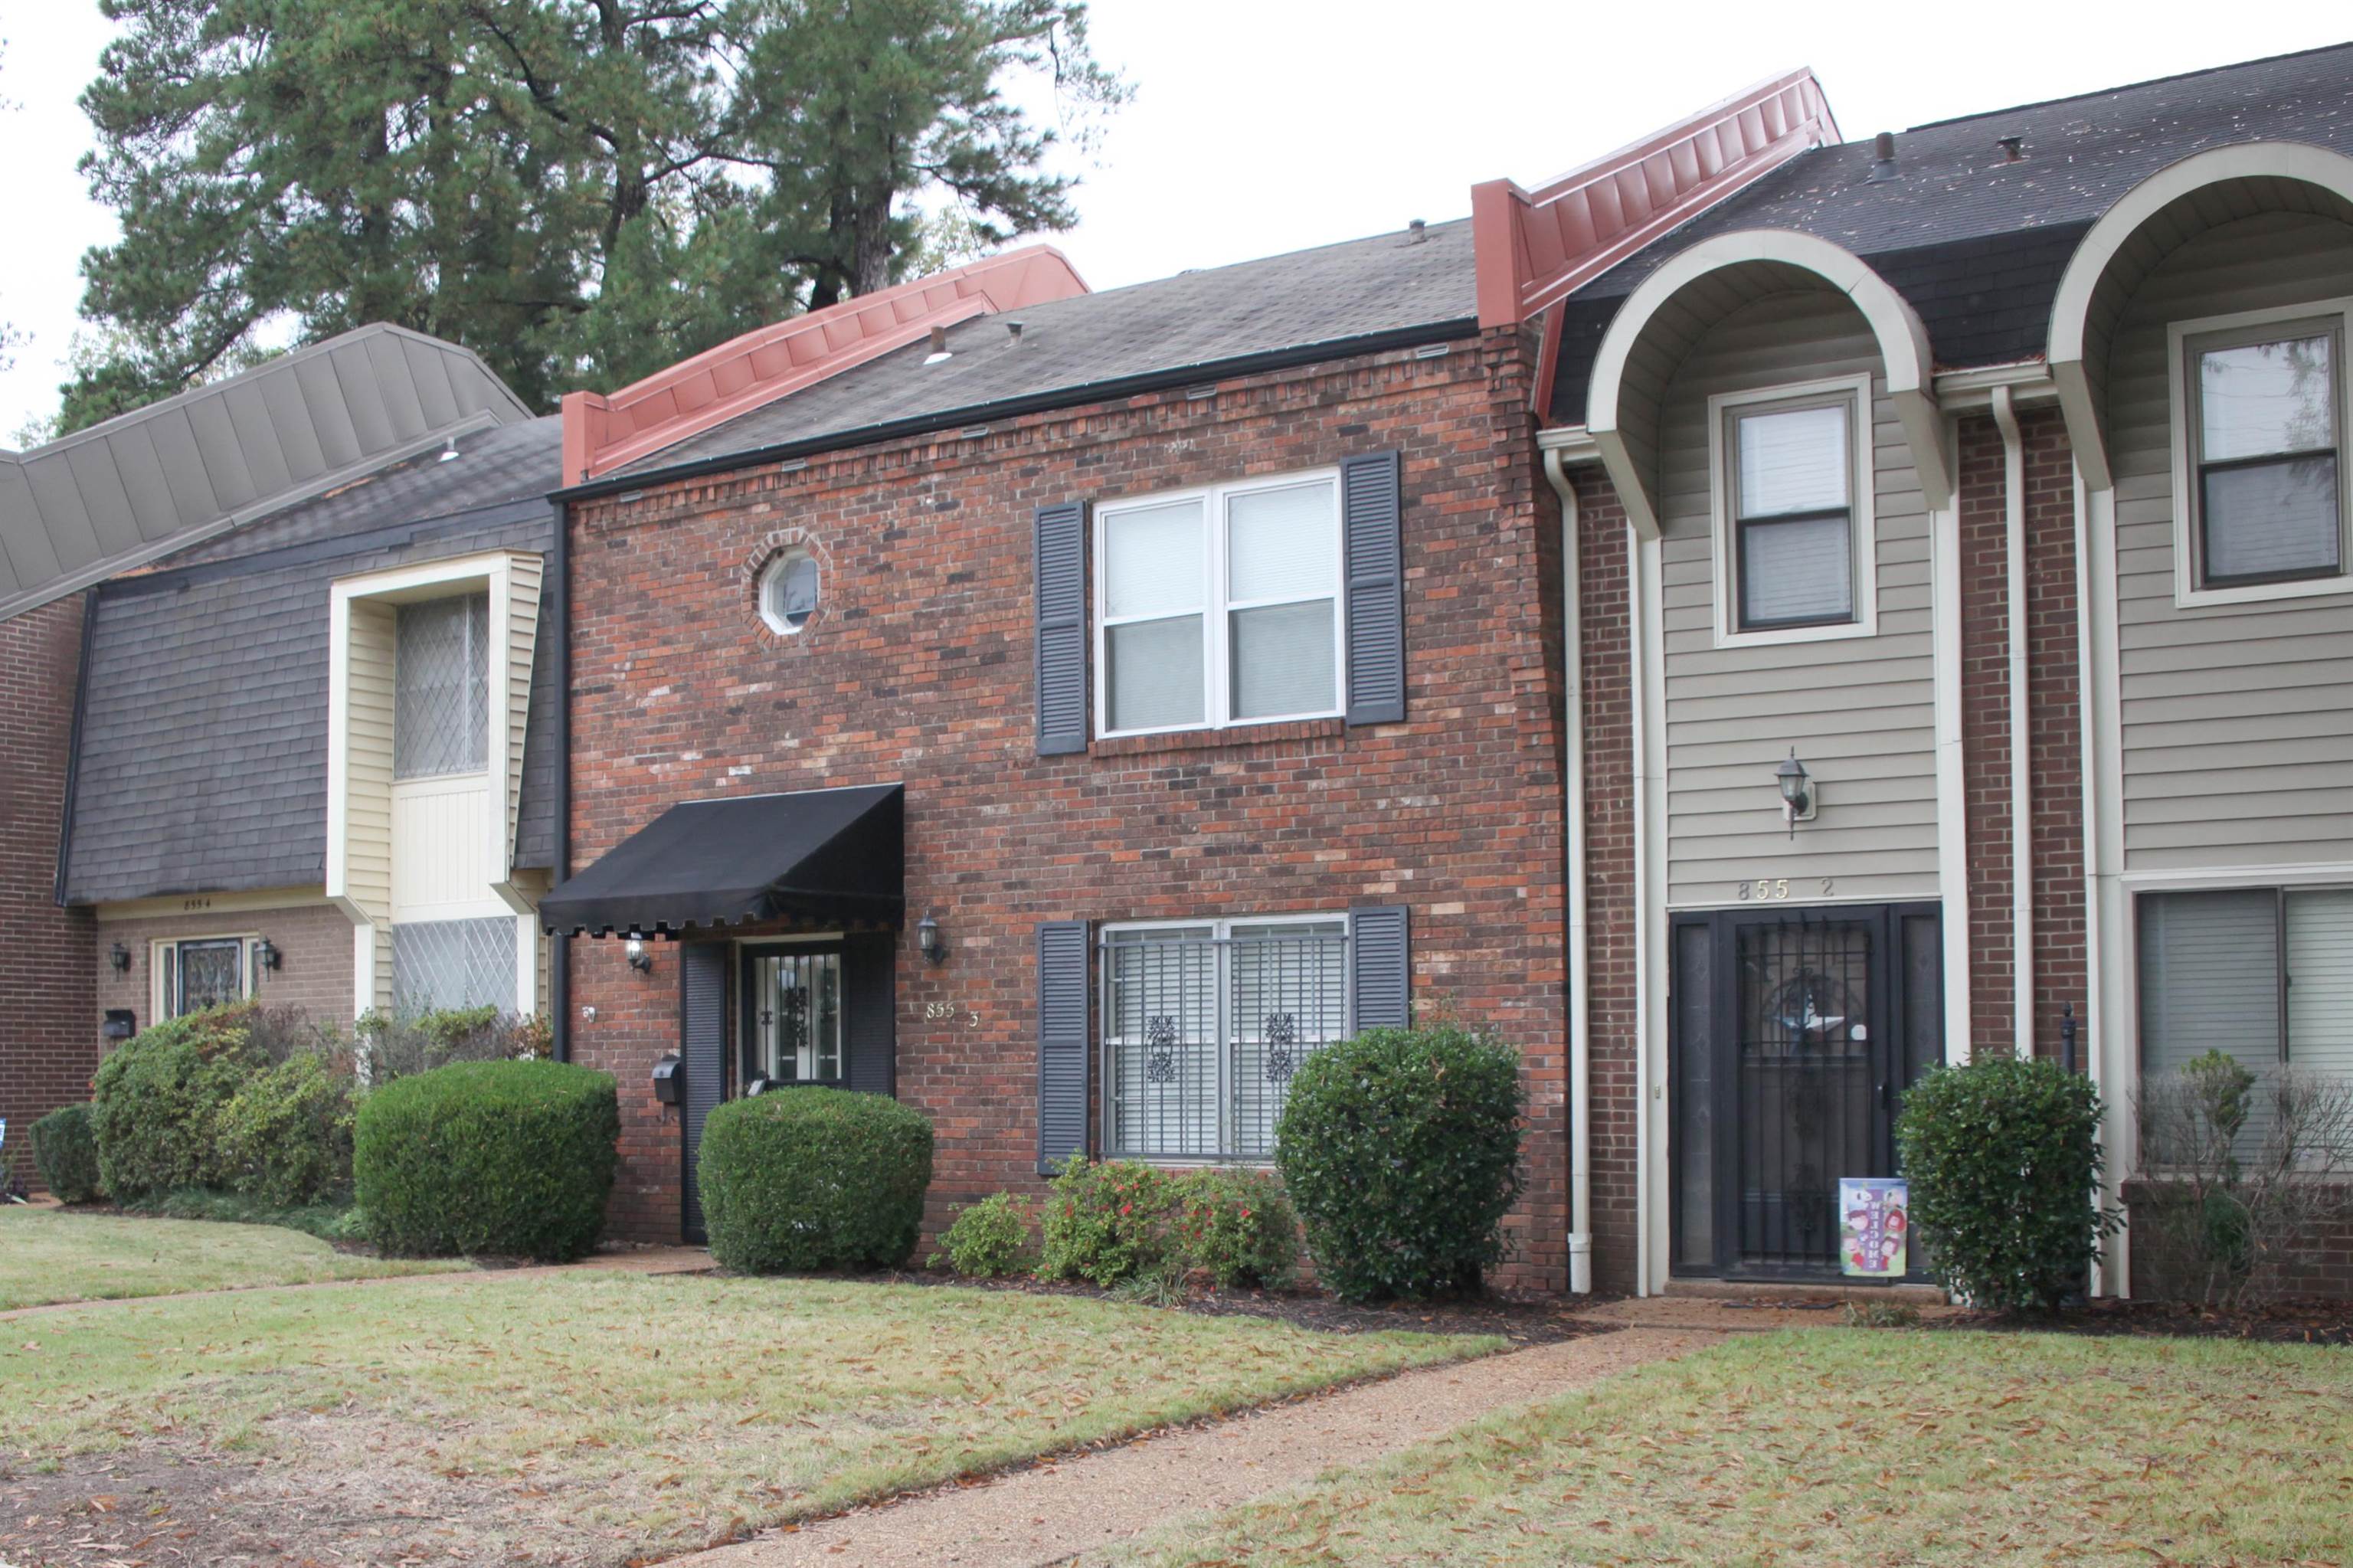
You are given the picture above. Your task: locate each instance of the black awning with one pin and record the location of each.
(834, 856)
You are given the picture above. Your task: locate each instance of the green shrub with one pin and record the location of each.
(1107, 1222)
(329, 1220)
(2003, 1158)
(286, 1131)
(813, 1178)
(986, 1240)
(64, 1152)
(504, 1158)
(157, 1100)
(1402, 1149)
(1238, 1227)
(400, 1046)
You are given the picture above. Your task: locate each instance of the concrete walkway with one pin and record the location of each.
(1056, 1511)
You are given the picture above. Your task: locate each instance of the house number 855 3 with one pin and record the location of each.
(934, 1011)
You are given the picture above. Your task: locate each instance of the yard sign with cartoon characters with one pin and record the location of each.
(1873, 1225)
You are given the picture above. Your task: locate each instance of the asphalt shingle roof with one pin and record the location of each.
(1976, 242)
(203, 760)
(1392, 284)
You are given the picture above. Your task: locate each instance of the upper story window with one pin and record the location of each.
(440, 722)
(2265, 426)
(789, 590)
(1219, 607)
(1793, 513)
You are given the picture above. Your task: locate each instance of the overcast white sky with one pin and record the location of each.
(1265, 125)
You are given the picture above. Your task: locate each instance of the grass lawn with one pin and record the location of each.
(1859, 1447)
(46, 1255)
(585, 1416)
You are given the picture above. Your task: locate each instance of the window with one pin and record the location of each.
(789, 590)
(1790, 475)
(2262, 975)
(793, 1032)
(440, 723)
(438, 965)
(2266, 424)
(1221, 607)
(1205, 1024)
(210, 971)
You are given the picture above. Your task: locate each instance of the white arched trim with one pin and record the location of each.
(1903, 347)
(2071, 311)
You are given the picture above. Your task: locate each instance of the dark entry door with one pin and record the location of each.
(1793, 1035)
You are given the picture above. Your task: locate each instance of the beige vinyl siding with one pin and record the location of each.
(368, 801)
(522, 642)
(1858, 709)
(2237, 718)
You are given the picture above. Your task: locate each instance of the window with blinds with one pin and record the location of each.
(1792, 512)
(1221, 605)
(441, 675)
(2262, 975)
(2269, 493)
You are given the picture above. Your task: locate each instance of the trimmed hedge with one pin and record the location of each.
(506, 1158)
(1401, 1151)
(64, 1152)
(2003, 1158)
(158, 1098)
(813, 1178)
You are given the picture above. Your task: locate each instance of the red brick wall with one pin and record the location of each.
(48, 1022)
(313, 943)
(918, 667)
(2054, 729)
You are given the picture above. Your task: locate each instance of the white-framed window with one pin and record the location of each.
(2263, 975)
(1206, 1023)
(2261, 496)
(439, 966)
(1794, 538)
(789, 586)
(1219, 607)
(441, 687)
(191, 973)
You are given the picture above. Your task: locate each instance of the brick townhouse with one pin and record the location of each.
(200, 602)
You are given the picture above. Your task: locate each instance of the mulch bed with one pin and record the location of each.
(1521, 1320)
(2282, 1323)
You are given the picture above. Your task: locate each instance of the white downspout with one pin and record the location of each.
(1580, 1106)
(2021, 797)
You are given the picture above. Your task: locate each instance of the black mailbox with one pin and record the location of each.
(669, 1080)
(120, 1023)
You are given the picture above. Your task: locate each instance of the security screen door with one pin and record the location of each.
(1792, 1036)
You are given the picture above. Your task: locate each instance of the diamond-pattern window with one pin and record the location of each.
(441, 689)
(440, 964)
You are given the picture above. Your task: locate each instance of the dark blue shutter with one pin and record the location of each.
(1369, 505)
(1061, 564)
(870, 1016)
(1063, 964)
(1380, 970)
(703, 971)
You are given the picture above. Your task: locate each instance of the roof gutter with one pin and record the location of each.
(1034, 403)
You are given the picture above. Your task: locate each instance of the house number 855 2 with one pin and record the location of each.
(1770, 889)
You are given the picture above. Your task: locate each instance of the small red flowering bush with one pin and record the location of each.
(1108, 1223)
(1237, 1226)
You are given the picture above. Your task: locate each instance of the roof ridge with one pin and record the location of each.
(2121, 86)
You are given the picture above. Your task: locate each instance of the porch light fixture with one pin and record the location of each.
(639, 959)
(1798, 799)
(120, 959)
(266, 955)
(927, 939)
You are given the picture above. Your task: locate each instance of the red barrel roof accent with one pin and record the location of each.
(1536, 246)
(603, 431)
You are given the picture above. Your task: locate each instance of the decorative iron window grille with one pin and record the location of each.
(1204, 1027)
(438, 965)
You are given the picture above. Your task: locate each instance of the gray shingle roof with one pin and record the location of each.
(203, 759)
(1978, 243)
(1071, 349)
(133, 488)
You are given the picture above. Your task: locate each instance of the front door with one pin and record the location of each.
(1793, 1035)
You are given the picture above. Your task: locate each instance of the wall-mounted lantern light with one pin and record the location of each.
(641, 960)
(120, 959)
(928, 940)
(1799, 800)
(266, 954)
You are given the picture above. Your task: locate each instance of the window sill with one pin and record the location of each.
(1217, 739)
(2187, 597)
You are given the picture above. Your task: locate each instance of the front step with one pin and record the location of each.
(1803, 1292)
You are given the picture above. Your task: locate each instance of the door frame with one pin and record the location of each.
(1892, 1052)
